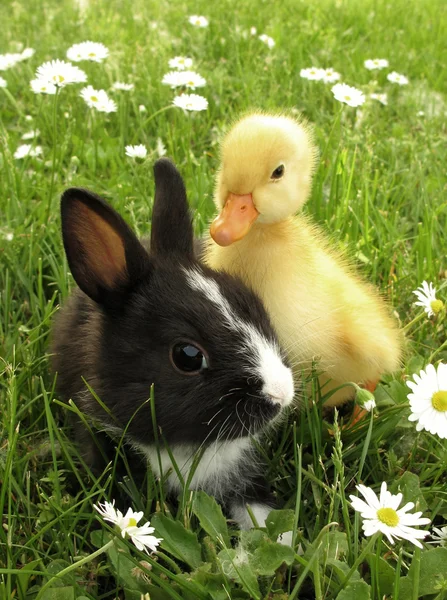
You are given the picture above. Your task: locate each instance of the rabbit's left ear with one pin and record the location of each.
(172, 230)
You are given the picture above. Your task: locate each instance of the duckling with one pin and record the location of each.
(322, 310)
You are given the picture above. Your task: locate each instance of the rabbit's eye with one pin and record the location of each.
(188, 358)
(278, 172)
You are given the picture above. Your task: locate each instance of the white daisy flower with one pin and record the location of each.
(191, 102)
(267, 40)
(128, 524)
(28, 118)
(173, 78)
(30, 135)
(27, 150)
(382, 514)
(41, 86)
(428, 400)
(139, 151)
(98, 99)
(382, 98)
(253, 31)
(93, 51)
(27, 53)
(198, 21)
(440, 536)
(160, 148)
(329, 75)
(8, 236)
(397, 78)
(312, 73)
(376, 63)
(60, 73)
(7, 61)
(188, 79)
(3, 83)
(347, 94)
(142, 108)
(125, 87)
(426, 295)
(180, 63)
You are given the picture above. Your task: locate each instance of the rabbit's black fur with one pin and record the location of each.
(119, 329)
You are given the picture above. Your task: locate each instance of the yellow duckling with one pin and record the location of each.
(320, 308)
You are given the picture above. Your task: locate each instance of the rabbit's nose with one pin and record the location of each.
(279, 385)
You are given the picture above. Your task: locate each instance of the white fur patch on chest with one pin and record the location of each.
(217, 468)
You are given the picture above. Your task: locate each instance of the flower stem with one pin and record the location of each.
(358, 562)
(437, 351)
(53, 166)
(416, 574)
(74, 566)
(418, 318)
(157, 113)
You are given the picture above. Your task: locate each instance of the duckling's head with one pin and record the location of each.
(265, 176)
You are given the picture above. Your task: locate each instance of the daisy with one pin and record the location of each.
(128, 524)
(382, 98)
(428, 402)
(198, 21)
(93, 51)
(191, 102)
(40, 86)
(440, 536)
(426, 294)
(139, 151)
(188, 79)
(60, 73)
(27, 53)
(180, 63)
(347, 94)
(30, 135)
(329, 75)
(267, 40)
(382, 514)
(312, 73)
(253, 31)
(142, 108)
(160, 148)
(376, 63)
(126, 87)
(7, 61)
(397, 78)
(27, 150)
(98, 99)
(3, 82)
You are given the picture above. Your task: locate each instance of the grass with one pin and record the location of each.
(380, 193)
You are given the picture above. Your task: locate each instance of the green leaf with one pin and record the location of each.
(340, 569)
(333, 545)
(122, 564)
(408, 484)
(210, 517)
(384, 571)
(432, 574)
(177, 540)
(357, 590)
(269, 556)
(23, 577)
(235, 565)
(59, 593)
(55, 567)
(215, 584)
(279, 521)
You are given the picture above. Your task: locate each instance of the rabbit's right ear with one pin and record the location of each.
(172, 231)
(104, 255)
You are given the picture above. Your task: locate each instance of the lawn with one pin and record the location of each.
(379, 192)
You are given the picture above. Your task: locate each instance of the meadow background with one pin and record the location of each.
(380, 193)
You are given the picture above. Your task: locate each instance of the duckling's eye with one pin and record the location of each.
(278, 172)
(188, 358)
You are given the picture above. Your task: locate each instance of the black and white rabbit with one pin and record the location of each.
(159, 316)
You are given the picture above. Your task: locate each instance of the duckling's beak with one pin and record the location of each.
(234, 222)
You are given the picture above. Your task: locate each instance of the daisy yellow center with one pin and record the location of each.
(347, 97)
(439, 401)
(388, 516)
(436, 306)
(93, 98)
(132, 522)
(92, 54)
(59, 78)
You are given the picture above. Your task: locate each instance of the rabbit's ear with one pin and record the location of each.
(171, 220)
(103, 253)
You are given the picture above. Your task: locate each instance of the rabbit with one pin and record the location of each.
(151, 313)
